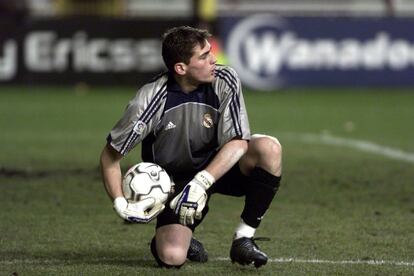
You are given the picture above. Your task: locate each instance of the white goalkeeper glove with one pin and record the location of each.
(190, 203)
(142, 211)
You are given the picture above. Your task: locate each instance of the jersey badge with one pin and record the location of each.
(139, 127)
(207, 120)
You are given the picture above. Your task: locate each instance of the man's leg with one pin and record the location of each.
(195, 253)
(171, 244)
(263, 165)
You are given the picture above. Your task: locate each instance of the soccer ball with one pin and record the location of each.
(144, 180)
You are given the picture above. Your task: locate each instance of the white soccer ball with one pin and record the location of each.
(144, 180)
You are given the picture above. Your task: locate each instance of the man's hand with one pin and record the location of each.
(140, 212)
(190, 203)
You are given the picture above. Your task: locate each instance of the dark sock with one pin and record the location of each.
(260, 192)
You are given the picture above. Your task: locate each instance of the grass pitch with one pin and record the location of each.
(345, 207)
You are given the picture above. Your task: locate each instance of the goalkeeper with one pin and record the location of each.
(192, 121)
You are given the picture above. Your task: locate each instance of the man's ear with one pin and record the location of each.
(180, 68)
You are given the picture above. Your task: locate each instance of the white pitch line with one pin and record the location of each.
(218, 259)
(338, 262)
(362, 145)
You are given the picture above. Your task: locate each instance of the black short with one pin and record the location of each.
(233, 183)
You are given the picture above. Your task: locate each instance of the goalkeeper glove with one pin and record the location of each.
(142, 211)
(190, 203)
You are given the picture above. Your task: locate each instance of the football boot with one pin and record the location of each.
(196, 252)
(245, 251)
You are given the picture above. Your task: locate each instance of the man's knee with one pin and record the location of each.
(168, 256)
(268, 152)
(266, 144)
(173, 255)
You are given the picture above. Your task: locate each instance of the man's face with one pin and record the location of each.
(202, 65)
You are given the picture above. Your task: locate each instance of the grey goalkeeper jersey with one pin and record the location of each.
(182, 132)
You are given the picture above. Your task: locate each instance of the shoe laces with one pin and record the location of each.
(259, 239)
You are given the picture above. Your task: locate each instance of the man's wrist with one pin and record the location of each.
(205, 179)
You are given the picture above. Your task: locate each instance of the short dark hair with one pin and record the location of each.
(178, 44)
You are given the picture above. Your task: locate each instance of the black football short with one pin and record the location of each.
(233, 183)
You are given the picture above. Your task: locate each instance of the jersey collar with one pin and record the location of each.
(173, 86)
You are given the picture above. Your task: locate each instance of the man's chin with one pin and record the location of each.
(210, 79)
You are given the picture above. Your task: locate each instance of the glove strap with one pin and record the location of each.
(205, 179)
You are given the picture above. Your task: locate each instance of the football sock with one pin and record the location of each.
(261, 189)
(244, 230)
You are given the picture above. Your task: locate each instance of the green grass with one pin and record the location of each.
(336, 203)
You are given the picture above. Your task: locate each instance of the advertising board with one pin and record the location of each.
(90, 50)
(271, 52)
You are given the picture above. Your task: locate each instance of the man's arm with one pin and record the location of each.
(111, 171)
(142, 211)
(227, 157)
(190, 203)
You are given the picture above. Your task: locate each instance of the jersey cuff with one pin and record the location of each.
(109, 142)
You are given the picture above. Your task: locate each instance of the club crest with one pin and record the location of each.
(207, 120)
